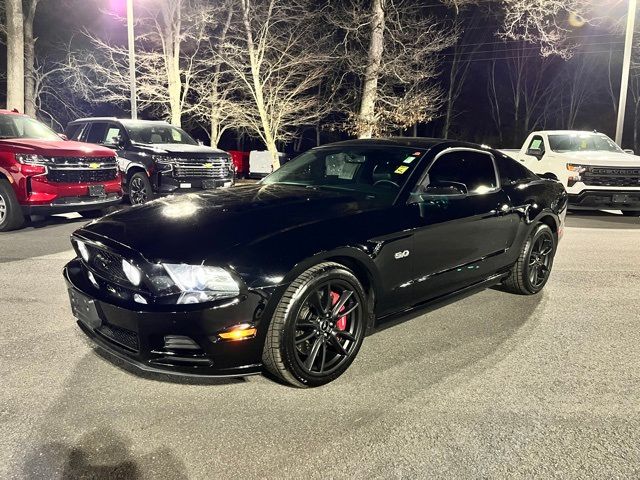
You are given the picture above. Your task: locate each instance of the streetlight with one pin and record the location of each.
(626, 65)
(132, 60)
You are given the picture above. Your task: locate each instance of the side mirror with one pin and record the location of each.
(448, 189)
(63, 136)
(535, 152)
(549, 176)
(118, 141)
(629, 151)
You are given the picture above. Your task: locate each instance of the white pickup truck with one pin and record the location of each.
(596, 172)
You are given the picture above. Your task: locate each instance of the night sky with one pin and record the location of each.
(58, 21)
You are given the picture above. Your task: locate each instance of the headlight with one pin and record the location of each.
(28, 159)
(133, 274)
(200, 283)
(576, 176)
(84, 252)
(164, 163)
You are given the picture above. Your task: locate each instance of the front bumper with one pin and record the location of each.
(73, 204)
(605, 200)
(181, 342)
(167, 184)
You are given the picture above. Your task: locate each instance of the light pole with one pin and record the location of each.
(626, 66)
(132, 60)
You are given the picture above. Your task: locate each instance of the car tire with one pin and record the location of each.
(307, 322)
(140, 189)
(11, 217)
(93, 213)
(531, 272)
(631, 213)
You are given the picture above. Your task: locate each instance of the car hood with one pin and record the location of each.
(178, 148)
(201, 227)
(64, 148)
(608, 159)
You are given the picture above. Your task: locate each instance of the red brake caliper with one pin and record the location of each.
(341, 324)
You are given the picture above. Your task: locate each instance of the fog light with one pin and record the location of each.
(84, 252)
(92, 279)
(239, 332)
(140, 299)
(133, 274)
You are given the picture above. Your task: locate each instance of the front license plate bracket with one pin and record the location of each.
(84, 309)
(97, 191)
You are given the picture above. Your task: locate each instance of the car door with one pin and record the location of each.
(465, 223)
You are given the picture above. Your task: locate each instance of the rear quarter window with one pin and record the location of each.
(511, 171)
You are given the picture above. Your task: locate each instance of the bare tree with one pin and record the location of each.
(30, 7)
(494, 100)
(387, 51)
(172, 36)
(15, 54)
(278, 69)
(547, 23)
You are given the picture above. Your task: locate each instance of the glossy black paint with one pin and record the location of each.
(269, 234)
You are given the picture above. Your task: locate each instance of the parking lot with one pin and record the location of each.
(493, 386)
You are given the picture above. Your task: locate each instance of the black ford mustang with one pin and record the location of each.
(290, 274)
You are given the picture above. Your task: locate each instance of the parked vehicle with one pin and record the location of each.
(290, 274)
(596, 172)
(261, 163)
(156, 158)
(43, 174)
(240, 162)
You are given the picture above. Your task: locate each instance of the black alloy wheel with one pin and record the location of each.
(531, 272)
(318, 327)
(140, 190)
(540, 259)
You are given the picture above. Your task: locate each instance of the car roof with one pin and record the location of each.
(124, 121)
(569, 132)
(425, 143)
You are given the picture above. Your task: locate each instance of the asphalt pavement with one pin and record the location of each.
(493, 386)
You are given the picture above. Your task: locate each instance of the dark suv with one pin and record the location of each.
(156, 158)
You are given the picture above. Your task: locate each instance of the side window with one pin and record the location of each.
(536, 147)
(112, 134)
(74, 130)
(474, 170)
(97, 132)
(511, 171)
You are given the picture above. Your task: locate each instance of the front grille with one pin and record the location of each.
(612, 177)
(107, 264)
(121, 336)
(81, 162)
(82, 176)
(201, 168)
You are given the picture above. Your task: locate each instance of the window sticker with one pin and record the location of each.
(408, 160)
(401, 169)
(535, 145)
(348, 171)
(112, 133)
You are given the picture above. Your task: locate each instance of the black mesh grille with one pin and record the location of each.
(121, 336)
(107, 264)
(82, 176)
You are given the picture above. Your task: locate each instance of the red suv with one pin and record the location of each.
(41, 173)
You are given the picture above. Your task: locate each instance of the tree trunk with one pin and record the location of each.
(367, 115)
(317, 135)
(30, 60)
(15, 55)
(171, 40)
(267, 134)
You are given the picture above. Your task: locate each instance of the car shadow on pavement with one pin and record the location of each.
(100, 454)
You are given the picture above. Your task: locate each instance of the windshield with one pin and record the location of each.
(377, 171)
(159, 134)
(20, 126)
(582, 142)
